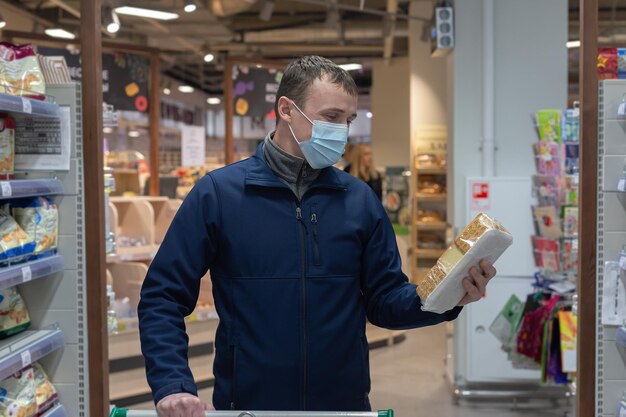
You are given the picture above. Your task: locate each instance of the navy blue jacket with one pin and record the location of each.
(293, 284)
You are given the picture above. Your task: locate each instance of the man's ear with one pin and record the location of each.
(284, 109)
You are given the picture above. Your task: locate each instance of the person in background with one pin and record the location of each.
(362, 166)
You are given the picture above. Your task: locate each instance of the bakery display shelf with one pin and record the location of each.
(30, 188)
(15, 104)
(56, 411)
(434, 226)
(429, 253)
(27, 347)
(432, 171)
(434, 198)
(17, 274)
(134, 253)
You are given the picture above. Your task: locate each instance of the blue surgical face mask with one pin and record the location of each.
(327, 144)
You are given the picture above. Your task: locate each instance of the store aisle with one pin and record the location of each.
(409, 378)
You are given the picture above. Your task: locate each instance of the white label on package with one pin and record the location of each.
(27, 106)
(5, 186)
(26, 359)
(27, 274)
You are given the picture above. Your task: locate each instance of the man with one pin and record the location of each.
(300, 254)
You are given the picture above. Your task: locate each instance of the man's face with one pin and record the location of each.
(327, 102)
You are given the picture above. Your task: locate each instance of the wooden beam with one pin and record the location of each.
(586, 395)
(155, 122)
(229, 144)
(93, 161)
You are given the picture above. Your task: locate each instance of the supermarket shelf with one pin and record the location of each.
(30, 188)
(434, 198)
(429, 253)
(25, 348)
(56, 411)
(432, 171)
(431, 226)
(18, 274)
(620, 337)
(134, 254)
(15, 104)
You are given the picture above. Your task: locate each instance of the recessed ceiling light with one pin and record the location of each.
(185, 89)
(190, 6)
(149, 13)
(133, 134)
(573, 44)
(167, 91)
(351, 67)
(3, 22)
(259, 66)
(214, 100)
(209, 57)
(107, 130)
(60, 33)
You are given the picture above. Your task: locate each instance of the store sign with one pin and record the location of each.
(193, 146)
(480, 196)
(125, 77)
(254, 91)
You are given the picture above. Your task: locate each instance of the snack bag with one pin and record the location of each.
(7, 143)
(483, 239)
(14, 242)
(17, 395)
(14, 316)
(40, 220)
(46, 395)
(20, 74)
(607, 63)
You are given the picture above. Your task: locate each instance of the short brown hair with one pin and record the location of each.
(301, 73)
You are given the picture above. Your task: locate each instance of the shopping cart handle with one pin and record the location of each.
(124, 412)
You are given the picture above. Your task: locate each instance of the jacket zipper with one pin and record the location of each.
(304, 310)
(233, 350)
(316, 247)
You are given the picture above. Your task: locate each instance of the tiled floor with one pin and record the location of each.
(408, 378)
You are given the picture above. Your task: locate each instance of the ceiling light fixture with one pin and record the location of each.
(369, 115)
(3, 22)
(351, 67)
(267, 9)
(185, 89)
(167, 91)
(149, 13)
(214, 100)
(111, 20)
(573, 44)
(209, 57)
(107, 130)
(60, 33)
(133, 134)
(190, 6)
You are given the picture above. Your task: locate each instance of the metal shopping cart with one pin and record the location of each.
(122, 412)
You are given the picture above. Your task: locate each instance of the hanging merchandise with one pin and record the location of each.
(548, 124)
(613, 295)
(572, 123)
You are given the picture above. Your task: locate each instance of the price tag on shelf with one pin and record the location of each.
(27, 274)
(6, 189)
(27, 106)
(26, 358)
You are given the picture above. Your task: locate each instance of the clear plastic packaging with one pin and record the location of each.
(483, 239)
(17, 395)
(14, 241)
(45, 393)
(14, 317)
(40, 220)
(20, 73)
(7, 143)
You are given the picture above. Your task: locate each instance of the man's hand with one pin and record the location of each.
(182, 405)
(476, 285)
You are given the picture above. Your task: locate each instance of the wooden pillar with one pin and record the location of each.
(91, 57)
(585, 396)
(229, 144)
(155, 121)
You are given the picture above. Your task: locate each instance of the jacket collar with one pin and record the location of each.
(260, 174)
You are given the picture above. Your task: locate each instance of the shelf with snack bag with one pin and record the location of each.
(20, 273)
(23, 349)
(24, 105)
(23, 188)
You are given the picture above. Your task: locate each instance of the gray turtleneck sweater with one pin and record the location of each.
(294, 172)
